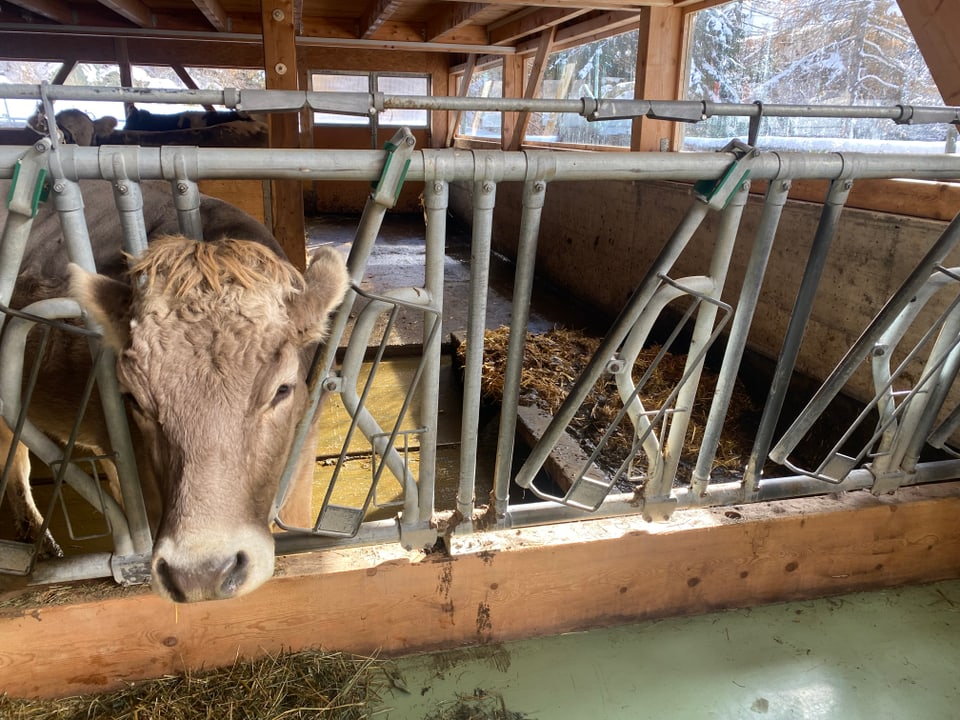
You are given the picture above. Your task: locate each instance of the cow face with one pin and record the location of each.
(213, 341)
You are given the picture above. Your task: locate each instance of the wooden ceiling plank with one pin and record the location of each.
(525, 23)
(376, 15)
(578, 4)
(214, 13)
(51, 9)
(133, 10)
(597, 27)
(451, 17)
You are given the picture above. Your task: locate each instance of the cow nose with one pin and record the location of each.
(212, 580)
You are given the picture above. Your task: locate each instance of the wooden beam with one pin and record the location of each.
(566, 578)
(462, 91)
(659, 62)
(185, 78)
(214, 13)
(526, 22)
(598, 27)
(599, 5)
(450, 17)
(512, 88)
(133, 10)
(280, 60)
(532, 87)
(376, 14)
(64, 72)
(934, 26)
(51, 9)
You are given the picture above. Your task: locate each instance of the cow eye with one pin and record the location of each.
(283, 392)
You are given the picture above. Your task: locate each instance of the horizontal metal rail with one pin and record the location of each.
(368, 104)
(451, 165)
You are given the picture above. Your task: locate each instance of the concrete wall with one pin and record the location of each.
(598, 239)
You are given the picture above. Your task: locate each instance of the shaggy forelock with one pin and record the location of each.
(180, 267)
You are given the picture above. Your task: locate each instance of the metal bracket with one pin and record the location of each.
(658, 509)
(679, 111)
(417, 537)
(718, 193)
(754, 128)
(131, 569)
(399, 149)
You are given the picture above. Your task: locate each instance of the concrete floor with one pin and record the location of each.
(889, 654)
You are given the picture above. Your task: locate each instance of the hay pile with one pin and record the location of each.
(287, 686)
(554, 360)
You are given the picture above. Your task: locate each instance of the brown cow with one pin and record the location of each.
(213, 341)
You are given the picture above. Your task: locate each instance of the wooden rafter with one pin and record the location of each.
(214, 13)
(50, 9)
(133, 10)
(461, 92)
(533, 84)
(379, 12)
(521, 24)
(934, 27)
(450, 18)
(185, 78)
(598, 26)
(64, 72)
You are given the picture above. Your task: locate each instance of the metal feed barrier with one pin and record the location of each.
(900, 420)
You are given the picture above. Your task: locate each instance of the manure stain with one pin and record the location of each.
(446, 580)
(484, 625)
(760, 705)
(495, 654)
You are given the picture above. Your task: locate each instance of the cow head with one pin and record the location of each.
(213, 341)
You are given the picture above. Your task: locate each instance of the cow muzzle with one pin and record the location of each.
(209, 569)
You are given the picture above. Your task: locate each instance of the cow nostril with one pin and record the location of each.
(166, 577)
(234, 574)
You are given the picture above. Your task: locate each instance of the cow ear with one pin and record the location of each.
(106, 300)
(326, 282)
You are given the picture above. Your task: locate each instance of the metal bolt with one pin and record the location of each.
(539, 186)
(438, 187)
(278, 15)
(330, 386)
(488, 187)
(784, 185)
(122, 189)
(280, 68)
(182, 188)
(410, 140)
(59, 187)
(40, 147)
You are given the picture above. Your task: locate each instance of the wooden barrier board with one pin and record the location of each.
(491, 587)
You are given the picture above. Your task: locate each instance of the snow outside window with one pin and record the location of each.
(846, 52)
(601, 69)
(484, 83)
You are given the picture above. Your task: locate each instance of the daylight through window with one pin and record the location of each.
(848, 52)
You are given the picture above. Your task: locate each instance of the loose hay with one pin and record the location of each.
(286, 686)
(553, 361)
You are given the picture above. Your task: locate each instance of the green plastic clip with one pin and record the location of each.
(718, 193)
(28, 186)
(386, 191)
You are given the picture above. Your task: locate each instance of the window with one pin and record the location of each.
(602, 69)
(484, 83)
(14, 113)
(387, 83)
(849, 52)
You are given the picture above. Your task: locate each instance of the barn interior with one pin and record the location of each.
(597, 234)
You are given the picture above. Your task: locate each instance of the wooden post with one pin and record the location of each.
(659, 55)
(512, 88)
(533, 83)
(280, 62)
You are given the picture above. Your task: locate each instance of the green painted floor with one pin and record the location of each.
(887, 654)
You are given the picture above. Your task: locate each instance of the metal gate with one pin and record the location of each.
(909, 411)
